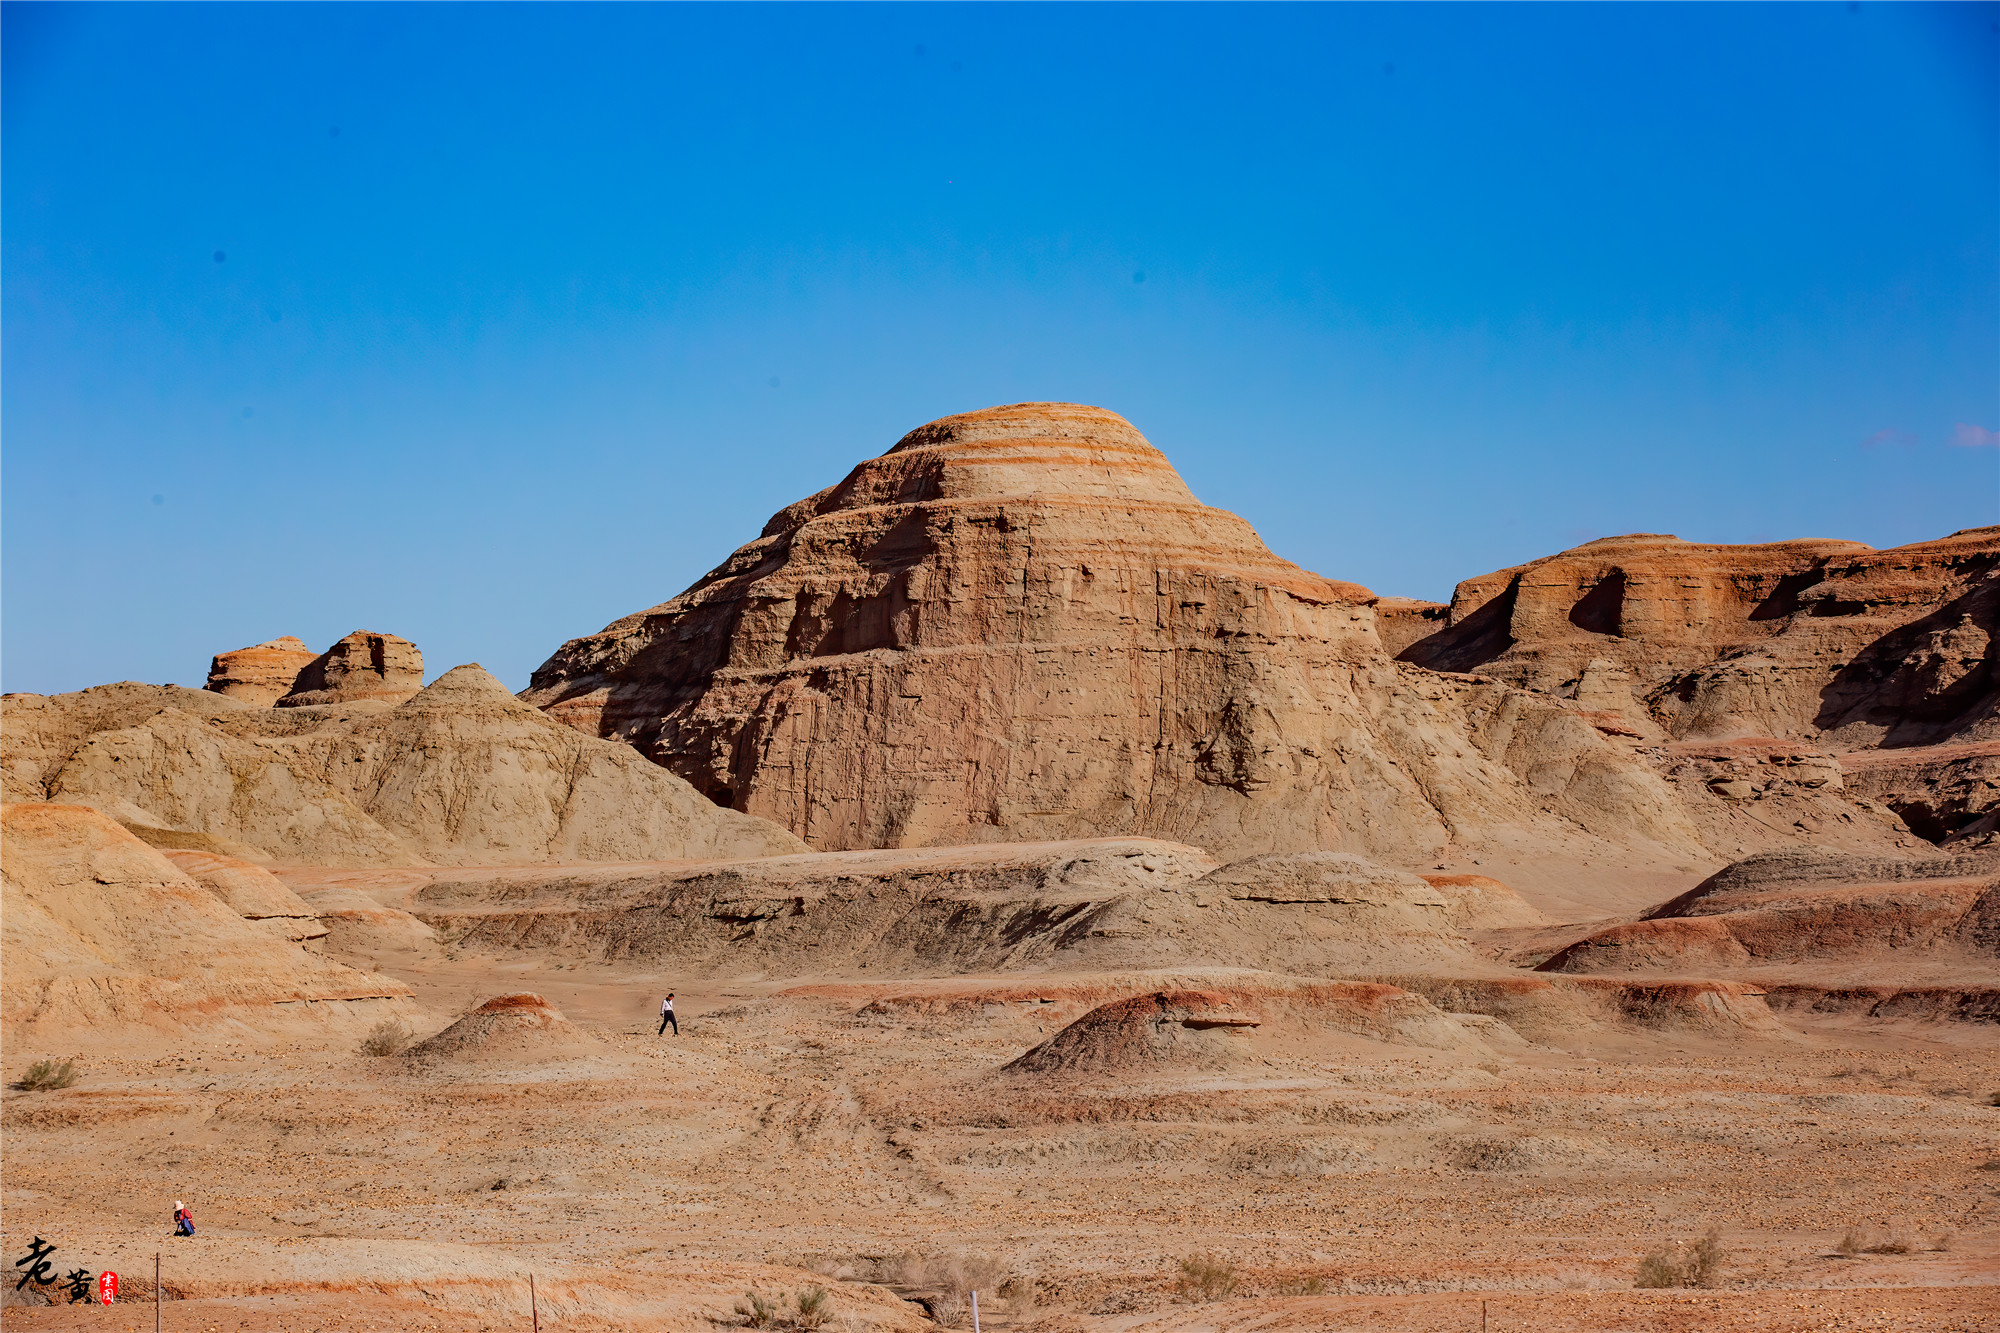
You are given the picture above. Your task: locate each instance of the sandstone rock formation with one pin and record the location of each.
(465, 773)
(1112, 903)
(252, 892)
(102, 930)
(461, 773)
(363, 666)
(1811, 905)
(262, 673)
(1018, 624)
(1822, 641)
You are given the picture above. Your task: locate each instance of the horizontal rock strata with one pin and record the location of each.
(1019, 625)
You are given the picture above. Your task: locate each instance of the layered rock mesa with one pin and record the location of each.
(261, 674)
(1827, 641)
(1019, 625)
(365, 665)
(462, 773)
(1768, 676)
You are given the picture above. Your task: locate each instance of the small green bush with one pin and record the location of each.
(47, 1074)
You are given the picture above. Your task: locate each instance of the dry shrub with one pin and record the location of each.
(386, 1037)
(957, 1273)
(1866, 1240)
(756, 1312)
(1302, 1286)
(1207, 1278)
(45, 1075)
(952, 1310)
(814, 1307)
(1683, 1264)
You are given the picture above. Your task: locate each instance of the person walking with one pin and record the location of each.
(183, 1219)
(667, 1015)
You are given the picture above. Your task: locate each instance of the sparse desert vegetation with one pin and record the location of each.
(1696, 1263)
(1203, 1277)
(386, 1038)
(46, 1075)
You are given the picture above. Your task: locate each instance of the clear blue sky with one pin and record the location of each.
(528, 315)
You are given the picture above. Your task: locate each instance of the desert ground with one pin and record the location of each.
(1067, 901)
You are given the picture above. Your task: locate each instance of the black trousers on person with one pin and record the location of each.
(666, 1018)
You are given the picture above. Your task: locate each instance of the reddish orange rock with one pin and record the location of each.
(1803, 639)
(260, 674)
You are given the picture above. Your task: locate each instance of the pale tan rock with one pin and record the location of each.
(1018, 625)
(252, 892)
(1480, 902)
(262, 673)
(101, 930)
(39, 732)
(462, 773)
(175, 771)
(364, 665)
(465, 773)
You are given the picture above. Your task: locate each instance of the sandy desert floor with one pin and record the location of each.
(862, 1135)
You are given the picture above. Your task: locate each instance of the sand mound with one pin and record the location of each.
(1209, 1026)
(102, 930)
(511, 1029)
(1181, 1029)
(1480, 902)
(461, 773)
(1808, 905)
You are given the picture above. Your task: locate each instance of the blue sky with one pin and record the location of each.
(526, 316)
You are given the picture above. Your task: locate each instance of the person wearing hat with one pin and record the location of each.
(183, 1219)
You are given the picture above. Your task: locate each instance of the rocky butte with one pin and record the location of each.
(1019, 624)
(1107, 944)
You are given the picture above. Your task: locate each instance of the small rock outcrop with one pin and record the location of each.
(507, 1029)
(261, 674)
(363, 666)
(1187, 1029)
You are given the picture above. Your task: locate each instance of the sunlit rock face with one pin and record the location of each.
(1019, 624)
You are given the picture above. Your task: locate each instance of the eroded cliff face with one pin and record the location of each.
(1018, 624)
(1827, 641)
(1810, 687)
